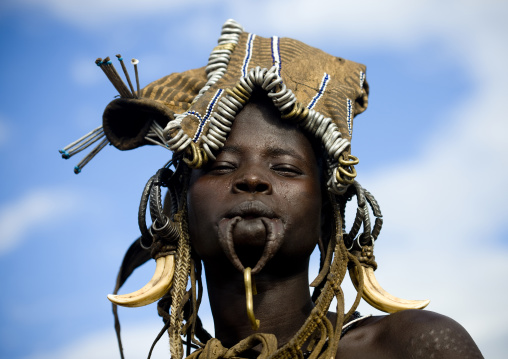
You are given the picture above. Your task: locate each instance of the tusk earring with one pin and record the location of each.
(154, 289)
(380, 299)
(250, 290)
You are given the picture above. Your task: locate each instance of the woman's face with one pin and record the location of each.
(260, 201)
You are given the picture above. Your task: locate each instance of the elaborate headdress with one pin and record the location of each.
(191, 113)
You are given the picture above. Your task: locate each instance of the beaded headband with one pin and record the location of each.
(320, 92)
(192, 112)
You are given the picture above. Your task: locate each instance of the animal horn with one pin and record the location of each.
(154, 289)
(378, 297)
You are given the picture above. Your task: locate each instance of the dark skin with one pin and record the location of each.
(259, 185)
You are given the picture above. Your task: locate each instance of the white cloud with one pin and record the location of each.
(35, 208)
(85, 72)
(102, 344)
(95, 13)
(137, 338)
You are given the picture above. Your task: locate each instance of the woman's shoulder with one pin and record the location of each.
(410, 333)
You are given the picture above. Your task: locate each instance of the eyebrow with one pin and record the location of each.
(278, 151)
(269, 152)
(231, 149)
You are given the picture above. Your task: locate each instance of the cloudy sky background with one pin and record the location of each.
(431, 146)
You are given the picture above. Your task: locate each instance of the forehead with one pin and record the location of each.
(259, 126)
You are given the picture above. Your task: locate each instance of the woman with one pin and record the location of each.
(263, 172)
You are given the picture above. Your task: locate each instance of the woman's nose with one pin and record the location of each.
(252, 182)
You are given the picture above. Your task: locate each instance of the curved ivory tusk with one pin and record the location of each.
(154, 289)
(381, 299)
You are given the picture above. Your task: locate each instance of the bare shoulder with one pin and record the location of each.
(408, 334)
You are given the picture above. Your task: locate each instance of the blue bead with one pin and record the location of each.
(65, 154)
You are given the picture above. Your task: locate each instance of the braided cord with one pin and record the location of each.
(179, 290)
(317, 323)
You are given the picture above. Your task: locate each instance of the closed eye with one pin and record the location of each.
(287, 170)
(220, 168)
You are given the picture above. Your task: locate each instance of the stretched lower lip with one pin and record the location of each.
(257, 231)
(250, 232)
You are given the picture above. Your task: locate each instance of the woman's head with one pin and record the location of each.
(262, 170)
(262, 196)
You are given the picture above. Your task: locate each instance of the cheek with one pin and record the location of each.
(303, 204)
(303, 200)
(200, 195)
(203, 208)
(196, 209)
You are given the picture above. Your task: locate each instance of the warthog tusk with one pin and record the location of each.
(154, 289)
(380, 299)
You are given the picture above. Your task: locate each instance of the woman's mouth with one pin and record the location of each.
(251, 225)
(250, 210)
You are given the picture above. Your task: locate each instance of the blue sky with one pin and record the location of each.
(432, 149)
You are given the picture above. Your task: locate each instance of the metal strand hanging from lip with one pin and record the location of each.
(250, 290)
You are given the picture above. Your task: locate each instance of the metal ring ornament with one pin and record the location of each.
(216, 133)
(341, 180)
(221, 54)
(208, 151)
(355, 228)
(245, 85)
(338, 147)
(224, 47)
(269, 82)
(232, 102)
(155, 197)
(259, 75)
(376, 210)
(152, 194)
(217, 123)
(211, 144)
(369, 234)
(359, 241)
(176, 142)
(212, 139)
(168, 231)
(239, 96)
(352, 161)
(323, 126)
(226, 111)
(196, 161)
(224, 121)
(351, 174)
(146, 239)
(216, 65)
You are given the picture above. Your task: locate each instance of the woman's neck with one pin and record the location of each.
(282, 304)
